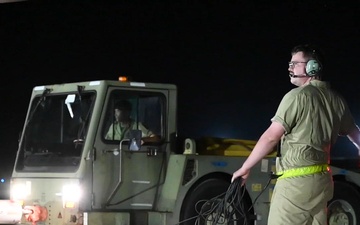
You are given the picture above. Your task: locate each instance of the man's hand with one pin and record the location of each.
(264, 146)
(151, 139)
(243, 173)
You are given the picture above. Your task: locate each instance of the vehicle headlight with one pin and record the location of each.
(71, 195)
(20, 190)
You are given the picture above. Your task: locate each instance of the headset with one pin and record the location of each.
(313, 66)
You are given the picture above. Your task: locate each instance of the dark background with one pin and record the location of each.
(229, 60)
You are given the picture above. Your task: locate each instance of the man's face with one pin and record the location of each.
(122, 115)
(297, 66)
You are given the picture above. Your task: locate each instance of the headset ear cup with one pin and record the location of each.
(312, 67)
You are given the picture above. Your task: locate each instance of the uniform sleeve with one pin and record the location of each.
(288, 111)
(347, 121)
(145, 132)
(109, 134)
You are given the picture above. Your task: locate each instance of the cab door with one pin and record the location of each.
(123, 178)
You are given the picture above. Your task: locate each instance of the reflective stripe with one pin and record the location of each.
(301, 171)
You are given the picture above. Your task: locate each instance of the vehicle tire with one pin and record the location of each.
(194, 211)
(344, 207)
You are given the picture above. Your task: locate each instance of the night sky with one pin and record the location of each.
(229, 60)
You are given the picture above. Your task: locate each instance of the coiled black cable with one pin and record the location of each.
(224, 208)
(227, 207)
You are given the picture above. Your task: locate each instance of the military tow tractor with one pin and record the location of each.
(68, 171)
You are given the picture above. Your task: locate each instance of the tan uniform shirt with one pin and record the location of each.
(118, 132)
(313, 116)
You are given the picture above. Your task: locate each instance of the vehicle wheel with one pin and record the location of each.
(344, 208)
(194, 211)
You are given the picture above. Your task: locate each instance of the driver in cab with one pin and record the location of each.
(123, 124)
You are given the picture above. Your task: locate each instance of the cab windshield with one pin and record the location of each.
(54, 133)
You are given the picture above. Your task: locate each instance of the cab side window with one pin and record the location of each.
(134, 112)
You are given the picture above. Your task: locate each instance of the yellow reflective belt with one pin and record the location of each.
(301, 171)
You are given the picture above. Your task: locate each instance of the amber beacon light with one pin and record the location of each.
(124, 79)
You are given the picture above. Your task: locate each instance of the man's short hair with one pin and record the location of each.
(311, 52)
(123, 105)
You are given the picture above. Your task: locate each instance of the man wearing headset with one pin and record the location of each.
(307, 121)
